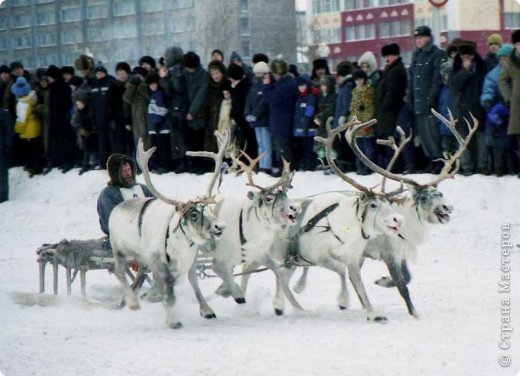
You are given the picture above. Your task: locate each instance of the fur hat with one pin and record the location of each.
(20, 88)
(279, 66)
(320, 64)
(53, 72)
(235, 57)
(495, 39)
(235, 72)
(515, 37)
(123, 66)
(261, 67)
(293, 69)
(84, 63)
(16, 65)
(390, 49)
(217, 51)
(260, 57)
(67, 70)
(505, 50)
(114, 164)
(217, 65)
(344, 68)
(41, 74)
(422, 31)
(140, 70)
(147, 60)
(358, 74)
(76, 81)
(4, 69)
(467, 48)
(191, 60)
(452, 47)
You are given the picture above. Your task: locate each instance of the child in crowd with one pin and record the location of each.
(326, 108)
(88, 134)
(158, 126)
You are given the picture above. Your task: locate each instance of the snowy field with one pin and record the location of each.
(454, 287)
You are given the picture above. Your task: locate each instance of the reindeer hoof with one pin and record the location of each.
(379, 319)
(210, 316)
(240, 300)
(416, 315)
(385, 282)
(343, 308)
(175, 325)
(278, 312)
(134, 306)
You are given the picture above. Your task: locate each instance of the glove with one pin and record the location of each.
(250, 118)
(487, 106)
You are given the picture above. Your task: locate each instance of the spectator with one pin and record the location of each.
(293, 71)
(368, 63)
(67, 73)
(158, 127)
(28, 125)
(148, 63)
(362, 108)
(120, 113)
(320, 68)
(509, 84)
(448, 140)
(494, 43)
(5, 77)
(280, 94)
(304, 127)
(6, 138)
(235, 58)
(88, 135)
(390, 93)
(217, 72)
(137, 96)
(326, 108)
(257, 115)
(217, 55)
(423, 94)
(469, 71)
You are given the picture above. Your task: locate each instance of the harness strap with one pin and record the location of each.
(141, 215)
(241, 228)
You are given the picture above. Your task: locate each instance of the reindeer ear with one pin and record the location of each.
(250, 195)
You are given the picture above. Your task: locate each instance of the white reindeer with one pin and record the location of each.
(257, 225)
(163, 234)
(337, 226)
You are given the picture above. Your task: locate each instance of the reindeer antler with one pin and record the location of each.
(398, 148)
(222, 142)
(328, 142)
(142, 159)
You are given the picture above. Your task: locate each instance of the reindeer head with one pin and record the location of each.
(431, 205)
(377, 217)
(270, 204)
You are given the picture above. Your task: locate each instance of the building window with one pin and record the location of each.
(124, 7)
(46, 18)
(384, 29)
(512, 20)
(46, 60)
(246, 48)
(244, 5)
(46, 39)
(151, 6)
(96, 34)
(71, 36)
(3, 23)
(125, 30)
(3, 43)
(444, 22)
(97, 11)
(395, 29)
(151, 28)
(182, 25)
(358, 4)
(360, 32)
(325, 6)
(327, 36)
(393, 2)
(23, 41)
(178, 4)
(20, 20)
(244, 26)
(70, 14)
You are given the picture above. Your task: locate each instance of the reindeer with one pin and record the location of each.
(257, 227)
(423, 207)
(163, 234)
(337, 226)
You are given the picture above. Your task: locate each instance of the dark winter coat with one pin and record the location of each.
(509, 84)
(99, 101)
(345, 87)
(445, 106)
(238, 103)
(213, 101)
(175, 87)
(119, 111)
(256, 104)
(61, 134)
(305, 109)
(326, 104)
(197, 84)
(138, 98)
(6, 135)
(467, 87)
(390, 97)
(425, 81)
(281, 97)
(87, 132)
(158, 113)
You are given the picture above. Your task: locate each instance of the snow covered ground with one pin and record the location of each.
(454, 287)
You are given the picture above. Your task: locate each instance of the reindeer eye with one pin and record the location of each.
(269, 199)
(422, 199)
(194, 215)
(373, 205)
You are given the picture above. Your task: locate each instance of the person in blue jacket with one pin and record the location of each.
(158, 124)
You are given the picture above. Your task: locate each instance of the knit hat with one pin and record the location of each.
(303, 79)
(54, 72)
(515, 37)
(123, 66)
(217, 51)
(261, 67)
(495, 39)
(191, 60)
(505, 50)
(358, 74)
(235, 72)
(467, 47)
(217, 65)
(67, 70)
(260, 57)
(84, 63)
(423, 31)
(279, 66)
(5, 69)
(81, 95)
(100, 68)
(293, 69)
(147, 60)
(344, 68)
(15, 65)
(20, 88)
(75, 81)
(390, 49)
(235, 57)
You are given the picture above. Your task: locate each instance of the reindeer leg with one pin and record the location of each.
(204, 308)
(130, 297)
(355, 278)
(229, 287)
(169, 302)
(339, 267)
(388, 282)
(302, 281)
